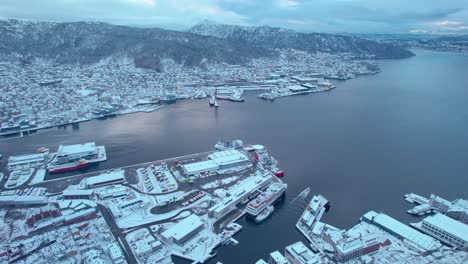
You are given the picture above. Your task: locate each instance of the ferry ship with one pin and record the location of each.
(77, 156)
(69, 166)
(266, 198)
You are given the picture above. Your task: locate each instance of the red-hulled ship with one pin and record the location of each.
(68, 166)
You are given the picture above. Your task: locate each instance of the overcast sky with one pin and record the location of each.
(355, 16)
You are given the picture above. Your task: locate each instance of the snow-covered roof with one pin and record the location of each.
(207, 165)
(449, 225)
(78, 148)
(424, 241)
(27, 158)
(301, 253)
(183, 228)
(278, 257)
(117, 175)
(226, 157)
(297, 88)
(77, 192)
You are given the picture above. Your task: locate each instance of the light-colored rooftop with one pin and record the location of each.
(227, 157)
(278, 258)
(77, 192)
(302, 253)
(207, 165)
(111, 176)
(448, 225)
(183, 228)
(78, 148)
(424, 241)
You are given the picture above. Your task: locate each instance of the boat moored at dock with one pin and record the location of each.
(266, 198)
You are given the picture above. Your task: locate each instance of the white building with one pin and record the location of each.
(416, 239)
(184, 230)
(297, 88)
(116, 254)
(445, 229)
(207, 166)
(298, 253)
(113, 177)
(277, 258)
(28, 160)
(229, 159)
(77, 194)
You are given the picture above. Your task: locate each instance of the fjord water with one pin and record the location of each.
(363, 145)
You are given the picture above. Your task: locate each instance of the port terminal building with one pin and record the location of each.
(184, 230)
(445, 229)
(419, 241)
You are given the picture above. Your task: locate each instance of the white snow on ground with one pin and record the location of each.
(144, 216)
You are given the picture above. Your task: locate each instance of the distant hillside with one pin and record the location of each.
(89, 42)
(275, 37)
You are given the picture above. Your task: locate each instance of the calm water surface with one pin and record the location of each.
(363, 145)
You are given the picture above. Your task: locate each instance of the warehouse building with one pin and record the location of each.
(207, 166)
(228, 159)
(445, 229)
(416, 239)
(183, 231)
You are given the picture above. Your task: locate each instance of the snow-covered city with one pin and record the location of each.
(46, 94)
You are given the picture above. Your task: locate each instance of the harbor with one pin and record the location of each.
(353, 137)
(157, 209)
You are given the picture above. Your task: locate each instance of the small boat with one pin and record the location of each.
(1, 156)
(264, 214)
(42, 150)
(216, 103)
(212, 101)
(277, 172)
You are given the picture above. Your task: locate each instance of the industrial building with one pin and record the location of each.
(416, 239)
(221, 160)
(77, 194)
(298, 253)
(113, 177)
(184, 230)
(29, 160)
(10, 200)
(445, 229)
(207, 166)
(228, 159)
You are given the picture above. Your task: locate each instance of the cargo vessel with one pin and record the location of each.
(266, 198)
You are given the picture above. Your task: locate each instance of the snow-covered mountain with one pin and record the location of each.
(90, 42)
(276, 37)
